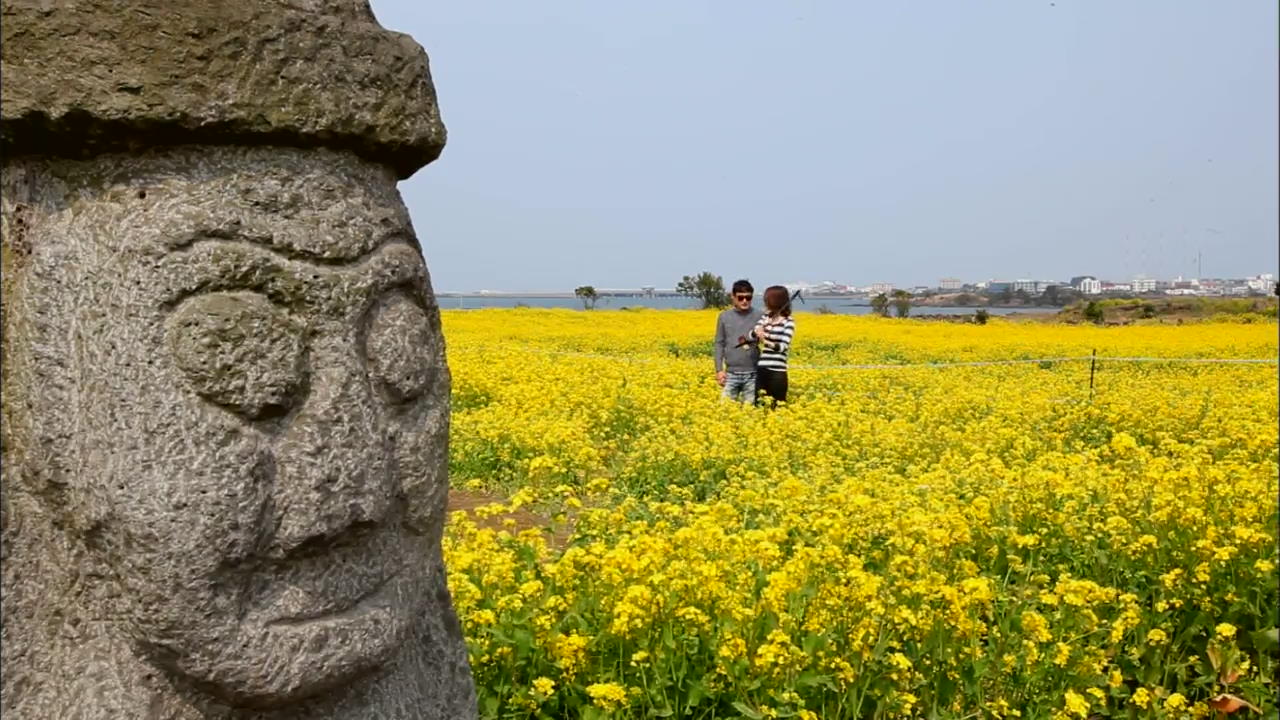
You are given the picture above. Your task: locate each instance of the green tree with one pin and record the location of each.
(1093, 312)
(901, 303)
(705, 288)
(982, 316)
(588, 295)
(880, 305)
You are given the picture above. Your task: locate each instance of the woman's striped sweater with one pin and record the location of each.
(775, 341)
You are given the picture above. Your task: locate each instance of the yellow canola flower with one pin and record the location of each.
(878, 537)
(544, 686)
(1076, 704)
(607, 695)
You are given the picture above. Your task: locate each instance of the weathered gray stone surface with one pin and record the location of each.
(225, 401)
(85, 76)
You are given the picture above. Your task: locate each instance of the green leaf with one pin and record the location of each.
(747, 711)
(523, 640)
(697, 691)
(811, 644)
(500, 636)
(1266, 640)
(667, 638)
(809, 678)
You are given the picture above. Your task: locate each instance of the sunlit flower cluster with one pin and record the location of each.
(1005, 541)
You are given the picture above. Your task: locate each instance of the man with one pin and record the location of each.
(735, 355)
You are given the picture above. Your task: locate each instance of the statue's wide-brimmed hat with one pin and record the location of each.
(82, 77)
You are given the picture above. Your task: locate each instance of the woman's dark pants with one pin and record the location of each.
(773, 383)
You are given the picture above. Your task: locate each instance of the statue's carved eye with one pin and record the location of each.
(400, 349)
(239, 351)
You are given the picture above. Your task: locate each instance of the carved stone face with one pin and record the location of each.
(252, 409)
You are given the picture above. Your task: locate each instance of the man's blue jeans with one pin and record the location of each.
(740, 386)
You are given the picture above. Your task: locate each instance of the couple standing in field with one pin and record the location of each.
(751, 349)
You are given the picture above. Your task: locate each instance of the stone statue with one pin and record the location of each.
(225, 397)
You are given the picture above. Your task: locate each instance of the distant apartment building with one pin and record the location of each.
(1143, 284)
(1264, 283)
(950, 284)
(1089, 286)
(1031, 287)
(880, 288)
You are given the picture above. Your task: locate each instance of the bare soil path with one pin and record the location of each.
(466, 501)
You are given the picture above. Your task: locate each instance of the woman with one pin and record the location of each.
(774, 331)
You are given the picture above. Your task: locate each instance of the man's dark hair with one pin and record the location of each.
(742, 286)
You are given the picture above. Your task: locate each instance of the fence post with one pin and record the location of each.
(1093, 361)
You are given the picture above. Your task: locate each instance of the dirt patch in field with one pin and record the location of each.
(466, 501)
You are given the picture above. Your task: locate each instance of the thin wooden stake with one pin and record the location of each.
(1093, 362)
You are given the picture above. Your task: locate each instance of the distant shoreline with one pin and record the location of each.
(853, 300)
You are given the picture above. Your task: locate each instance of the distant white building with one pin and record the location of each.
(950, 283)
(1090, 286)
(1142, 284)
(879, 288)
(1264, 283)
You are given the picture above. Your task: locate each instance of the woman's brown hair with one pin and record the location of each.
(776, 300)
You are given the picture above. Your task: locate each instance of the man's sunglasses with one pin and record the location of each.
(741, 297)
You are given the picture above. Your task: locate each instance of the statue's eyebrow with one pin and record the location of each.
(235, 232)
(220, 265)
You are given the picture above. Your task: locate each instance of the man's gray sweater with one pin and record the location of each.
(731, 327)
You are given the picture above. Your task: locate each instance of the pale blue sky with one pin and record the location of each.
(622, 144)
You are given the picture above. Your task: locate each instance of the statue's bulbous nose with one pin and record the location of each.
(334, 462)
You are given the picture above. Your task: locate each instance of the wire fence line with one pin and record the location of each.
(1028, 361)
(905, 366)
(927, 365)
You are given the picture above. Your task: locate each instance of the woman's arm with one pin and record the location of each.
(783, 334)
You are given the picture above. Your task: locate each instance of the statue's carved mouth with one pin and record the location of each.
(333, 581)
(339, 611)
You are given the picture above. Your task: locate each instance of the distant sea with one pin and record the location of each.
(841, 305)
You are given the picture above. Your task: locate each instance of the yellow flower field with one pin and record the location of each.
(915, 541)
